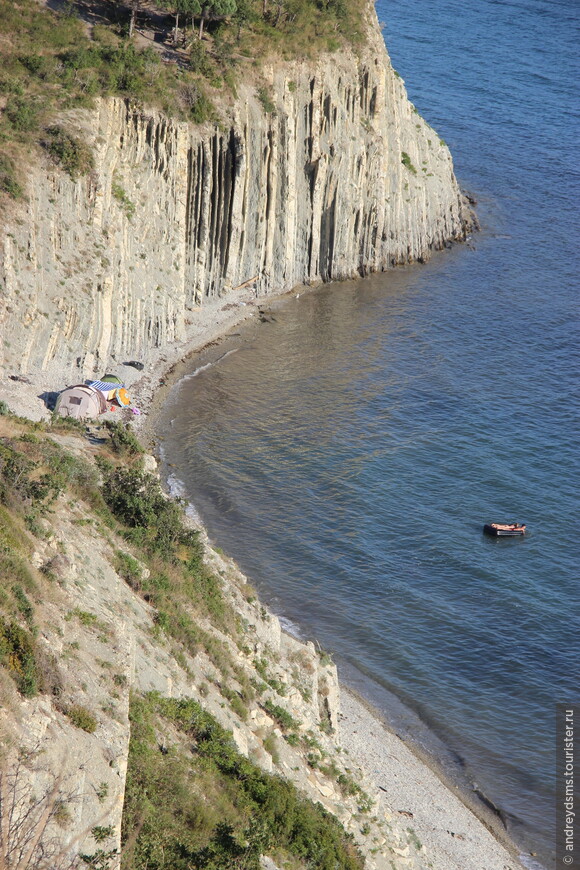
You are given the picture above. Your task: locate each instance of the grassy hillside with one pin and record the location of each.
(236, 812)
(54, 61)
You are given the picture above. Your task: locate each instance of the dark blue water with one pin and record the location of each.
(348, 454)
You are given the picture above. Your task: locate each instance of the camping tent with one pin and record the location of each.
(108, 385)
(80, 401)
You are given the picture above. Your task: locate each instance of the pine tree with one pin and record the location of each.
(216, 9)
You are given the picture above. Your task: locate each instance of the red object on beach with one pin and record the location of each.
(505, 530)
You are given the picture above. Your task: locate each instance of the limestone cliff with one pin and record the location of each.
(342, 178)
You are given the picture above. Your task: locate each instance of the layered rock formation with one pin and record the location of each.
(343, 178)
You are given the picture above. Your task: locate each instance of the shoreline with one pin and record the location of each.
(360, 709)
(411, 755)
(443, 816)
(166, 374)
(455, 831)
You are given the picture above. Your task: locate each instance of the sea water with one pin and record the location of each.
(348, 454)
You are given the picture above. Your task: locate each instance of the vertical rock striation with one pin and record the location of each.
(344, 178)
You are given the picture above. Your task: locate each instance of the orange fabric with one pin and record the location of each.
(122, 397)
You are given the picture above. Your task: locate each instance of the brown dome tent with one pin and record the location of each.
(80, 401)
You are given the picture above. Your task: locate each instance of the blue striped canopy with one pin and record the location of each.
(105, 386)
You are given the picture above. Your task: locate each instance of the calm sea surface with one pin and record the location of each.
(347, 454)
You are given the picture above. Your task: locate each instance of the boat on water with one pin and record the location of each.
(505, 530)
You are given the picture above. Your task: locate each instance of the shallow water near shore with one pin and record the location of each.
(348, 453)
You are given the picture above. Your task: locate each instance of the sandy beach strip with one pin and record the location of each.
(28, 393)
(414, 796)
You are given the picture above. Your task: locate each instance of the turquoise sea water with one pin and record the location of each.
(348, 454)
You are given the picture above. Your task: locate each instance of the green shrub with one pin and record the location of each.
(68, 470)
(22, 469)
(36, 64)
(10, 185)
(84, 617)
(261, 666)
(271, 747)
(123, 440)
(325, 658)
(23, 604)
(74, 156)
(57, 422)
(202, 110)
(154, 521)
(136, 499)
(406, 161)
(102, 792)
(325, 726)
(195, 102)
(101, 859)
(239, 707)
(128, 568)
(10, 85)
(199, 61)
(129, 208)
(207, 589)
(82, 718)
(62, 815)
(349, 787)
(18, 655)
(265, 99)
(22, 114)
(101, 833)
(14, 566)
(282, 716)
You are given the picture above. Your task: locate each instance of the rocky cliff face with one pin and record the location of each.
(343, 178)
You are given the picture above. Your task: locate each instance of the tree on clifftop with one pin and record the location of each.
(213, 9)
(205, 10)
(191, 8)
